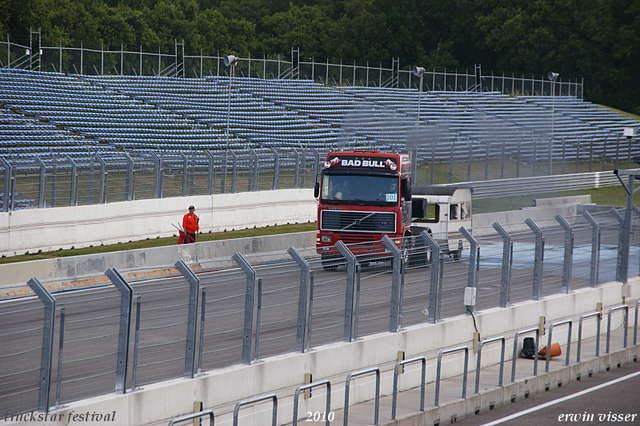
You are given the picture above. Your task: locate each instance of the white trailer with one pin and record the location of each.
(442, 210)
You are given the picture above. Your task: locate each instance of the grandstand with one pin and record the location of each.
(53, 116)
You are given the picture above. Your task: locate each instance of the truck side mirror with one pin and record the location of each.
(405, 189)
(316, 189)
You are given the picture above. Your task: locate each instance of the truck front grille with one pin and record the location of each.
(344, 221)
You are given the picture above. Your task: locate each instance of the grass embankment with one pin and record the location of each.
(160, 242)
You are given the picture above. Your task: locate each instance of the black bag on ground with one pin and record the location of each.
(528, 348)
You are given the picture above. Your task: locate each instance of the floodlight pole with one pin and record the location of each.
(418, 72)
(230, 61)
(232, 70)
(552, 76)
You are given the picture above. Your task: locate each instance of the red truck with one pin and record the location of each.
(362, 196)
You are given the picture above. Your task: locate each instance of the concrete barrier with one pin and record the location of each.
(74, 268)
(32, 230)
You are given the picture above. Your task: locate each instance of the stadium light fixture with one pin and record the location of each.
(418, 72)
(230, 61)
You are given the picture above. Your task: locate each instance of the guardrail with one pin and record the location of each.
(582, 317)
(423, 379)
(548, 353)
(626, 323)
(502, 340)
(376, 409)
(274, 407)
(464, 373)
(194, 416)
(296, 395)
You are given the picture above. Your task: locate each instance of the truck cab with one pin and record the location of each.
(363, 196)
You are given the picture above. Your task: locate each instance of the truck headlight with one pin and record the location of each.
(325, 238)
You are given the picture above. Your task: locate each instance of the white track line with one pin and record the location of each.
(566, 398)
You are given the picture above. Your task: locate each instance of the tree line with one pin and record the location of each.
(598, 40)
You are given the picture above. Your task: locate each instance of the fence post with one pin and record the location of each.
(394, 311)
(136, 341)
(185, 173)
(539, 258)
(234, 173)
(296, 179)
(8, 172)
(624, 245)
(568, 254)
(315, 164)
(46, 356)
(507, 255)
(595, 249)
(637, 212)
(60, 358)
(434, 291)
(126, 301)
(349, 296)
(249, 303)
(159, 166)
(103, 168)
(225, 166)
(303, 298)
(128, 190)
(256, 168)
(210, 184)
(192, 321)
(73, 189)
(276, 168)
(474, 262)
(41, 182)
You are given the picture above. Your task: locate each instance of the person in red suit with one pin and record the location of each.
(191, 225)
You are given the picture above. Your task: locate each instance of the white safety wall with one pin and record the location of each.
(49, 229)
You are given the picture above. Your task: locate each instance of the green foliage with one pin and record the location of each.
(595, 39)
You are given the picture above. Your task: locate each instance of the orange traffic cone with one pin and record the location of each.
(555, 351)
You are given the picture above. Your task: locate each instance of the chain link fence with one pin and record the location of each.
(144, 326)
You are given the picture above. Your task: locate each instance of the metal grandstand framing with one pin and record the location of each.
(90, 59)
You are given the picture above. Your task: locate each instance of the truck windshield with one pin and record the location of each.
(360, 189)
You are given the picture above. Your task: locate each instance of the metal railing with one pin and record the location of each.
(624, 308)
(464, 372)
(296, 400)
(274, 407)
(502, 341)
(376, 408)
(547, 356)
(98, 59)
(598, 316)
(423, 381)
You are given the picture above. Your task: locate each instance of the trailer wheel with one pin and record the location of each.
(457, 254)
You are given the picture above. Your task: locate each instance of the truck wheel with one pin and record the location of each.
(330, 262)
